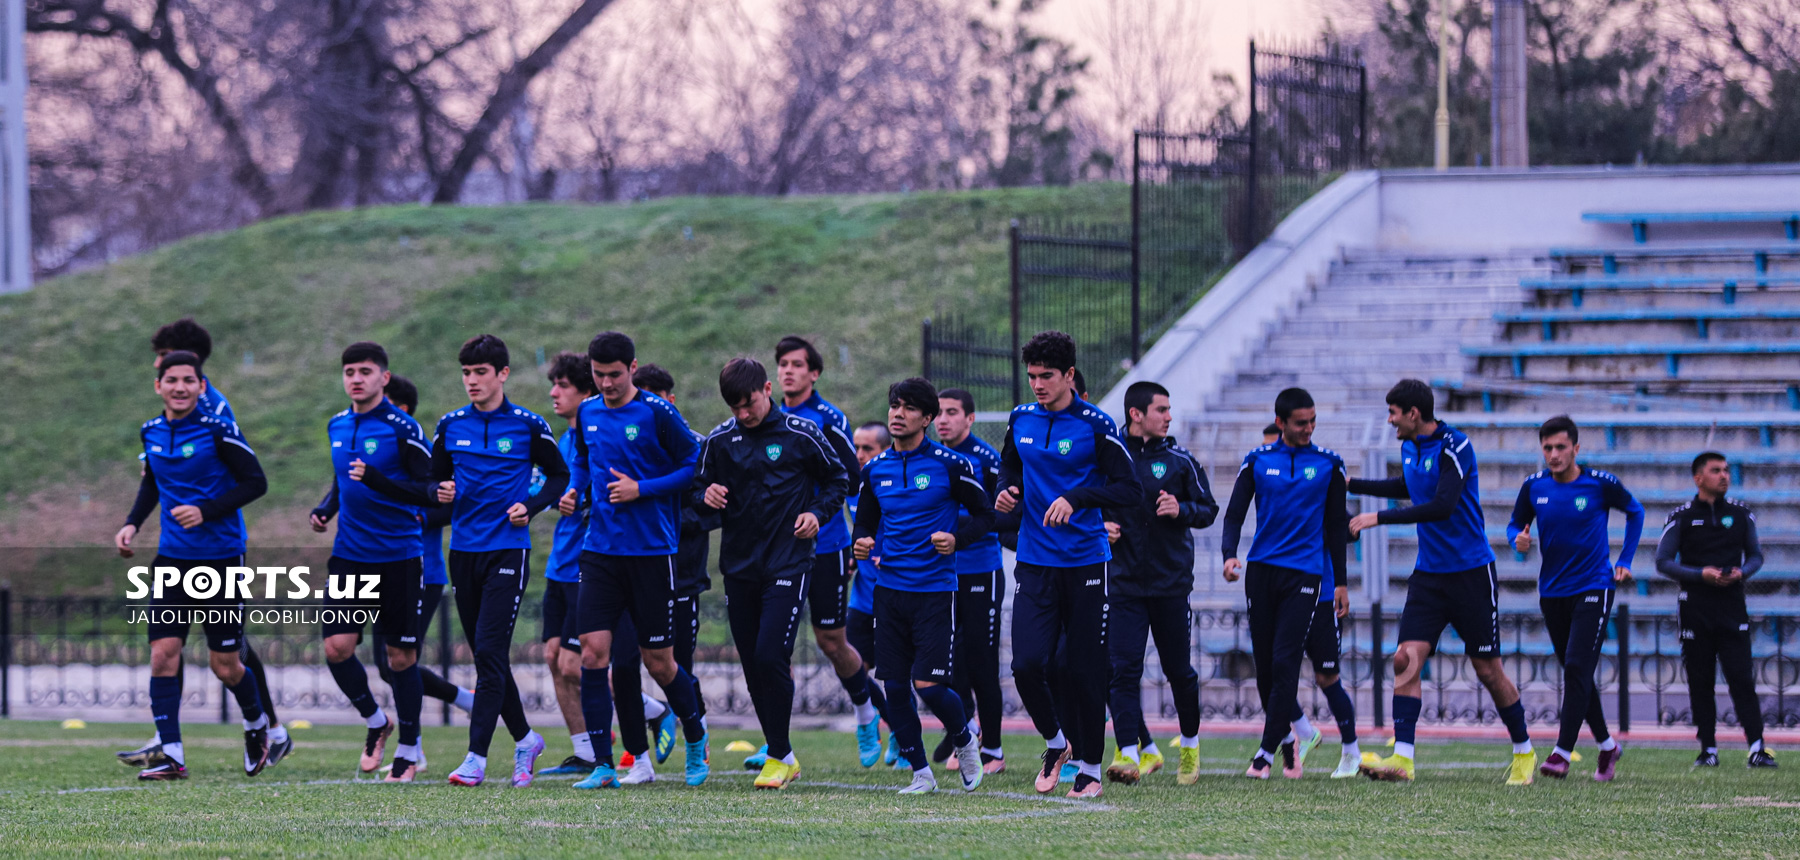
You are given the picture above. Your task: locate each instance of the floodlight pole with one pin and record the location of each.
(1441, 152)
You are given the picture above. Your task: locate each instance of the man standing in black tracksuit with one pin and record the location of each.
(775, 479)
(1709, 545)
(1153, 574)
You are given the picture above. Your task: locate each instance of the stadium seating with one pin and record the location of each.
(1658, 351)
(1640, 221)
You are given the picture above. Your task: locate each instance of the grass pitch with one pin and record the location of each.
(61, 794)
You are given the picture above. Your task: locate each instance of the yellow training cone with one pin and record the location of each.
(1574, 756)
(299, 724)
(739, 746)
(74, 724)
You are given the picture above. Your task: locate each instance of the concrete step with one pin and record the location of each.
(1447, 358)
(1660, 331)
(1353, 327)
(1563, 370)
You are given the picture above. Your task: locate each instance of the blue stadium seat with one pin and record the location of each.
(1640, 221)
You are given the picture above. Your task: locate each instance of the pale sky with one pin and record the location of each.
(1231, 24)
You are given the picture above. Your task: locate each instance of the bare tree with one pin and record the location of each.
(1149, 69)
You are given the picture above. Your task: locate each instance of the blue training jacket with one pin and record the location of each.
(982, 556)
(1572, 529)
(1301, 521)
(647, 440)
(862, 589)
(373, 526)
(1075, 454)
(834, 533)
(909, 495)
(564, 563)
(1439, 475)
(490, 456)
(203, 461)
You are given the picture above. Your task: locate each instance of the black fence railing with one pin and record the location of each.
(1200, 201)
(67, 656)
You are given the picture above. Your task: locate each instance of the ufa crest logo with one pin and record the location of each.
(1426, 463)
(187, 450)
(1311, 472)
(1726, 521)
(505, 445)
(369, 446)
(1159, 469)
(774, 452)
(922, 481)
(631, 432)
(1581, 503)
(1064, 446)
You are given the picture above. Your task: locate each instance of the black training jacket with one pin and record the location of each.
(775, 471)
(1702, 534)
(1155, 555)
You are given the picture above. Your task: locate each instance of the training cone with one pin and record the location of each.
(299, 724)
(740, 746)
(74, 724)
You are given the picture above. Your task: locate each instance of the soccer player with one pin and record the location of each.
(871, 440)
(634, 457)
(481, 461)
(188, 335)
(571, 382)
(201, 472)
(1454, 581)
(405, 397)
(1575, 583)
(1063, 461)
(1299, 492)
(980, 589)
(373, 444)
(797, 368)
(923, 500)
(1152, 576)
(691, 576)
(1709, 545)
(775, 479)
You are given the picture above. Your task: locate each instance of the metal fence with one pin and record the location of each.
(66, 656)
(1200, 201)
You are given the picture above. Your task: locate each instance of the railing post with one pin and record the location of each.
(5, 651)
(1250, 237)
(1137, 287)
(1622, 622)
(925, 348)
(444, 654)
(1377, 665)
(1013, 253)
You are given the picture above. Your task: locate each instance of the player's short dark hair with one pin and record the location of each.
(1051, 349)
(366, 350)
(654, 379)
(1411, 394)
(1291, 399)
(814, 361)
(881, 432)
(960, 395)
(402, 392)
(740, 378)
(1272, 430)
(1141, 394)
(573, 367)
(178, 358)
(1080, 384)
(609, 347)
(1560, 424)
(1707, 457)
(185, 335)
(917, 393)
(484, 349)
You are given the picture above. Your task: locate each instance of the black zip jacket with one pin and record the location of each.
(1155, 555)
(1703, 534)
(775, 471)
(697, 522)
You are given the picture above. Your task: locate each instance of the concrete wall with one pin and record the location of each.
(1204, 347)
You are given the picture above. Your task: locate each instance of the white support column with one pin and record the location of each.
(15, 176)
